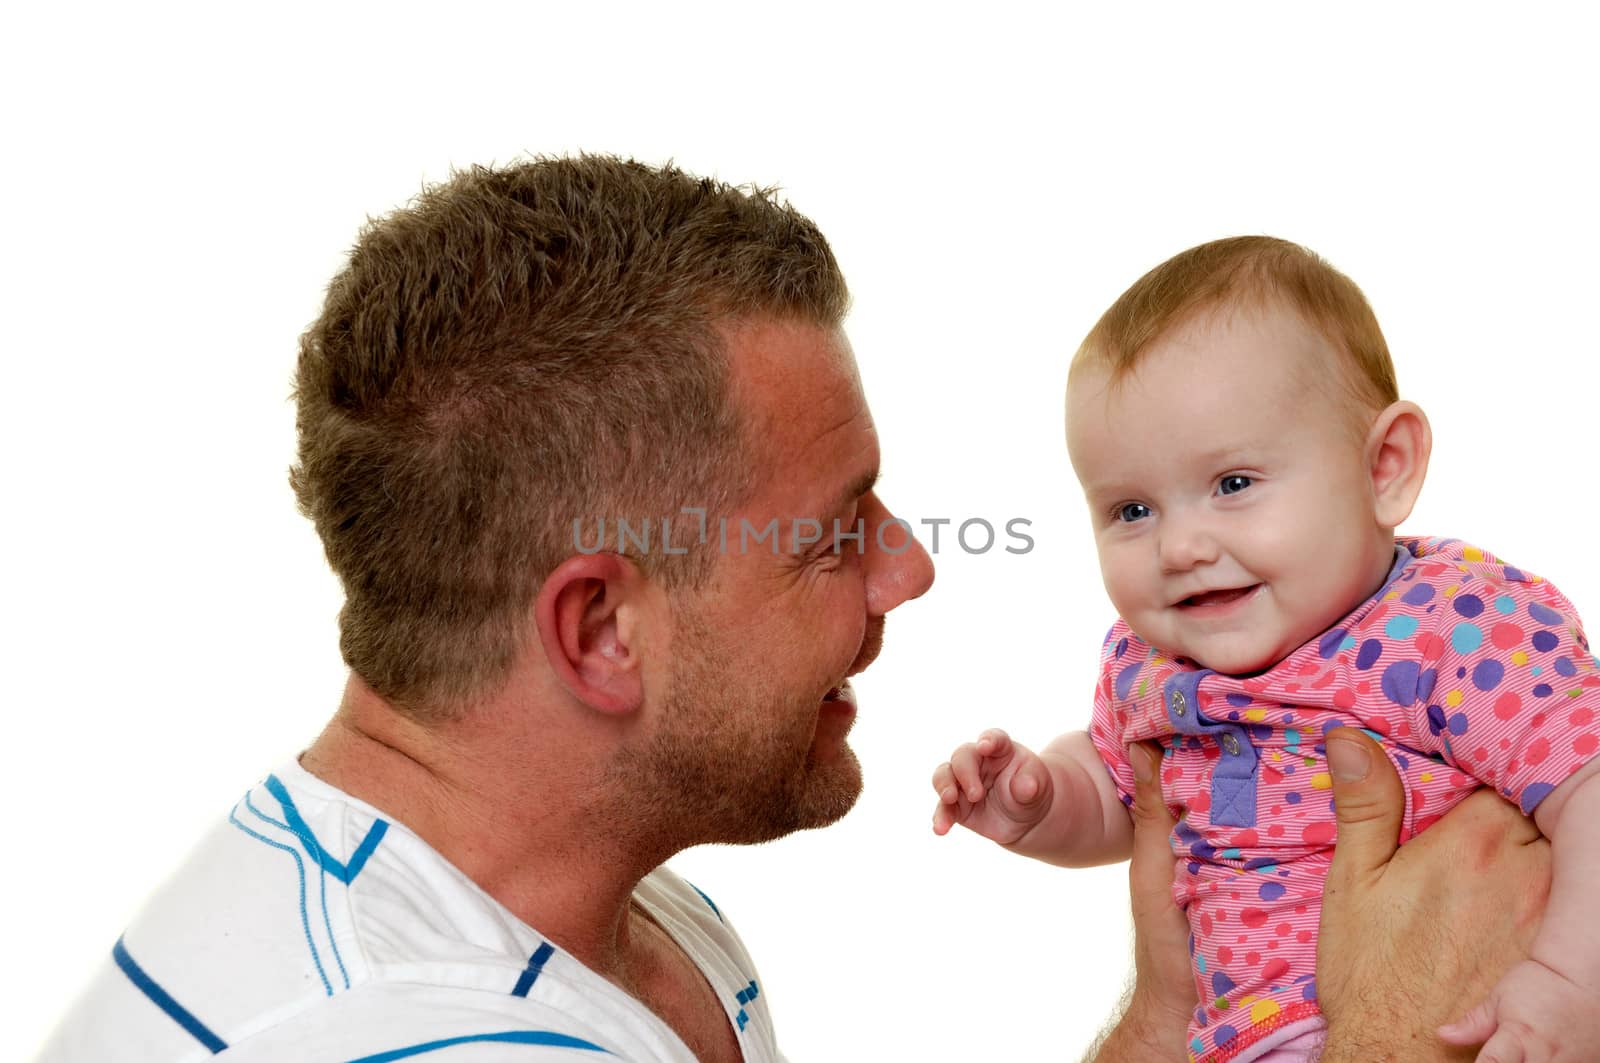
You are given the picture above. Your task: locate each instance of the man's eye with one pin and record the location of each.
(849, 537)
(1132, 511)
(1232, 485)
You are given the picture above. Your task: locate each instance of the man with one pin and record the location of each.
(586, 446)
(469, 857)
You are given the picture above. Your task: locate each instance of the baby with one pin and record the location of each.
(1235, 425)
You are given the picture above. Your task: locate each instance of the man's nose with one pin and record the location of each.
(898, 569)
(1184, 542)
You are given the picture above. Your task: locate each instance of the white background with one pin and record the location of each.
(180, 184)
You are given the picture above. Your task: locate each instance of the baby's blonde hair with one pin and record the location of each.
(1246, 272)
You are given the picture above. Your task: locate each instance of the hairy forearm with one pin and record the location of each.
(1143, 1034)
(1365, 1043)
(1373, 1046)
(1085, 825)
(1392, 1019)
(1377, 1017)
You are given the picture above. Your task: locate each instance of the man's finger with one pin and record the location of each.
(1150, 873)
(1369, 803)
(1161, 933)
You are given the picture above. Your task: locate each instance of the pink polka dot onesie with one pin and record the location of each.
(1469, 671)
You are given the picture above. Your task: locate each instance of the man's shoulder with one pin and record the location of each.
(309, 926)
(306, 921)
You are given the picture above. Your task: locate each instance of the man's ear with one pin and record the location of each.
(1397, 451)
(587, 611)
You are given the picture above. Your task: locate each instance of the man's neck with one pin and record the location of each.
(520, 817)
(515, 800)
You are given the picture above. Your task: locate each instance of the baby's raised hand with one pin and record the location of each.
(1534, 1015)
(994, 787)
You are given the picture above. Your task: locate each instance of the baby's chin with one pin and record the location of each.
(1234, 653)
(1236, 660)
(1239, 666)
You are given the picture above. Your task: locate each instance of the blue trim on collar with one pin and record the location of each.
(345, 873)
(1402, 558)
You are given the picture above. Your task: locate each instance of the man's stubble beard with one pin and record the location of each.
(725, 767)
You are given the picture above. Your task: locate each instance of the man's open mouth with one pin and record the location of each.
(842, 694)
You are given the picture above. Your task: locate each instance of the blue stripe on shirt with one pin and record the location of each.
(709, 902)
(536, 962)
(163, 1000)
(513, 1037)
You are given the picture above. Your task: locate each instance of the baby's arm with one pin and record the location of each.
(1569, 940)
(1548, 1006)
(1058, 805)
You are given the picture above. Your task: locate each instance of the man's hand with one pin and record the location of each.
(1409, 938)
(1154, 1024)
(993, 786)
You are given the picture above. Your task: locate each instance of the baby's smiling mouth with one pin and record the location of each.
(1218, 597)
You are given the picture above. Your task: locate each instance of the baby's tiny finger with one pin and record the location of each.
(1028, 784)
(1472, 1028)
(1503, 1047)
(993, 742)
(964, 767)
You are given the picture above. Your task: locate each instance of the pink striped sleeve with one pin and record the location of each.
(1515, 701)
(1107, 726)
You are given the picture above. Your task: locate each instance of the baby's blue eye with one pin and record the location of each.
(1232, 485)
(1133, 511)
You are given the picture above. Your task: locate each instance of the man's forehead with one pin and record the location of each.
(784, 354)
(800, 394)
(791, 378)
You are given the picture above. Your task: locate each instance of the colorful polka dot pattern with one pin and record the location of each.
(1471, 672)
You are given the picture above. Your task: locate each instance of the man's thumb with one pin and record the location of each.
(1148, 803)
(1368, 802)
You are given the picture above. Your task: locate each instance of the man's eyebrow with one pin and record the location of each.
(858, 487)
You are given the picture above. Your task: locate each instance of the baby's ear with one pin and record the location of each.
(1397, 452)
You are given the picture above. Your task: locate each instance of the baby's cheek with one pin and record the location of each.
(1121, 574)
